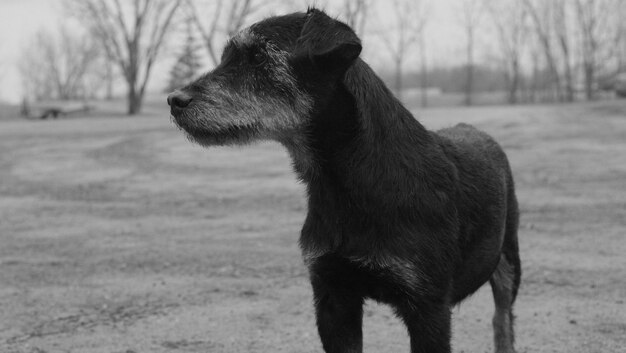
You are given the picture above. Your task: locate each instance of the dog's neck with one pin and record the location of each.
(362, 122)
(365, 142)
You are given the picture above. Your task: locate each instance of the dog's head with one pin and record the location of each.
(272, 78)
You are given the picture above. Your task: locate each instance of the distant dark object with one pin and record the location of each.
(51, 113)
(53, 109)
(55, 112)
(620, 85)
(409, 217)
(25, 108)
(144, 28)
(616, 83)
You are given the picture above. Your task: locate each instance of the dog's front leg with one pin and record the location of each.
(429, 327)
(339, 314)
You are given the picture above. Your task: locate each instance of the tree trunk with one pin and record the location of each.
(469, 83)
(556, 77)
(424, 75)
(535, 78)
(569, 79)
(135, 101)
(589, 78)
(562, 35)
(569, 82)
(109, 80)
(514, 82)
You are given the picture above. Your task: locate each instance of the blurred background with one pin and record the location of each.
(118, 235)
(433, 53)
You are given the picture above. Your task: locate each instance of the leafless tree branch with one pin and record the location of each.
(410, 18)
(60, 66)
(131, 35)
(216, 19)
(356, 13)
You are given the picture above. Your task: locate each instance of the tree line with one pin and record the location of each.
(558, 50)
(543, 50)
(559, 47)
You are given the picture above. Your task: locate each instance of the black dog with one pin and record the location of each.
(412, 218)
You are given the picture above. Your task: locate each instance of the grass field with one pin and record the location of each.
(119, 236)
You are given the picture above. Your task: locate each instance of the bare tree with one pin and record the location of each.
(356, 13)
(471, 13)
(58, 66)
(611, 56)
(107, 74)
(2, 65)
(620, 38)
(207, 26)
(410, 17)
(595, 33)
(509, 20)
(540, 13)
(218, 18)
(188, 63)
(535, 54)
(132, 34)
(421, 38)
(561, 18)
(619, 35)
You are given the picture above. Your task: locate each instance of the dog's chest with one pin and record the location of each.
(383, 280)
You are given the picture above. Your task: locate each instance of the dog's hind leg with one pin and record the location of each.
(503, 284)
(505, 280)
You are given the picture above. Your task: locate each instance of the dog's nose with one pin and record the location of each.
(179, 99)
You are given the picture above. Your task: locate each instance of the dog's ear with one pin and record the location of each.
(328, 43)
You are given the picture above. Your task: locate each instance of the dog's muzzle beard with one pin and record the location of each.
(209, 126)
(237, 119)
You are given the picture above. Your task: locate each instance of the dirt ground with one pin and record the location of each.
(119, 236)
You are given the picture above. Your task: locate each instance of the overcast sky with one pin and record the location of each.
(21, 19)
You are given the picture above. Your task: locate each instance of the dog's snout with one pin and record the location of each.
(179, 99)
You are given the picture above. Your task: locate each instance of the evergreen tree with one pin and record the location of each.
(187, 65)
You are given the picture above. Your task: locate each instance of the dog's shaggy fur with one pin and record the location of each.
(409, 217)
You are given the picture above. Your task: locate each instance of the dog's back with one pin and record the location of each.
(475, 144)
(486, 197)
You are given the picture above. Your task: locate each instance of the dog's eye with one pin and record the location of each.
(258, 58)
